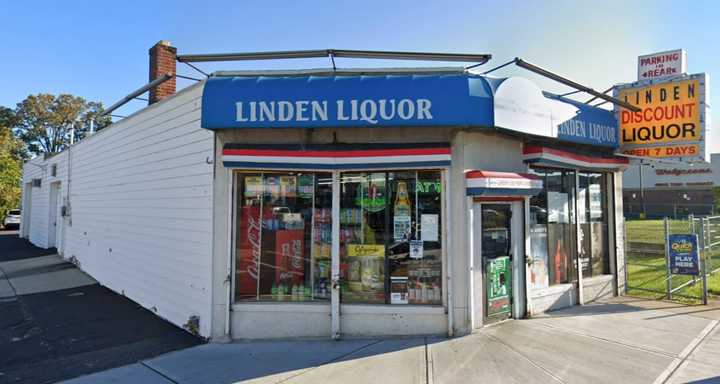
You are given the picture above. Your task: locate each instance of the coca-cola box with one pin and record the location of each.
(249, 251)
(289, 260)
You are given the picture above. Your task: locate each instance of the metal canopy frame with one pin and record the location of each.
(332, 53)
(134, 94)
(340, 72)
(564, 80)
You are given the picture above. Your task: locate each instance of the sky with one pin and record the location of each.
(99, 50)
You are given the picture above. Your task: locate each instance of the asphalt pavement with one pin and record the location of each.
(57, 323)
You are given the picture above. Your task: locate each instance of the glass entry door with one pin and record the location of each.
(497, 258)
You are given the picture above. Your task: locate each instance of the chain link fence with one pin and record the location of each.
(646, 259)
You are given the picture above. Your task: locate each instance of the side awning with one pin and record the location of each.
(336, 156)
(551, 157)
(502, 184)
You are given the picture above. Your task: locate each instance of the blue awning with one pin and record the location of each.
(418, 100)
(347, 101)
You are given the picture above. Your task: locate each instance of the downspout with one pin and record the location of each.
(448, 264)
(229, 264)
(578, 235)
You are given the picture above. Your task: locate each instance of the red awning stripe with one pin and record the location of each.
(334, 153)
(506, 175)
(538, 154)
(490, 183)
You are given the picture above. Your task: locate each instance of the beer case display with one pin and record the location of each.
(321, 251)
(424, 281)
(365, 273)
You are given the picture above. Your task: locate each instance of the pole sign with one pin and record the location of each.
(672, 119)
(662, 65)
(684, 258)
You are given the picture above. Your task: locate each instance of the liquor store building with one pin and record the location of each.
(408, 203)
(317, 204)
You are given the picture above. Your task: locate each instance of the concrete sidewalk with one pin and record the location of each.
(620, 341)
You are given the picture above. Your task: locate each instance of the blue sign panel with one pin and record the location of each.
(684, 258)
(590, 125)
(347, 101)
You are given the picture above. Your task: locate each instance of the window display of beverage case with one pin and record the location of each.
(391, 249)
(283, 236)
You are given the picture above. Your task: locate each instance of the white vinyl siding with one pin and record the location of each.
(141, 208)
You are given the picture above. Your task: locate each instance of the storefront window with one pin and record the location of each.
(552, 222)
(283, 240)
(539, 271)
(552, 227)
(390, 243)
(592, 216)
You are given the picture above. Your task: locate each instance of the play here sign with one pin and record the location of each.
(671, 120)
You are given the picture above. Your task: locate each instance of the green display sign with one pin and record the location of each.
(498, 272)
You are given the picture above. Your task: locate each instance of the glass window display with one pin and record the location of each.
(390, 226)
(552, 224)
(592, 216)
(283, 237)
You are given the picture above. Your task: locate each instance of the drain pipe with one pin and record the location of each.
(231, 246)
(448, 264)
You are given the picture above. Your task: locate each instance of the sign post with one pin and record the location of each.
(668, 278)
(706, 246)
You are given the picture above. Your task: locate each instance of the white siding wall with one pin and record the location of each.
(40, 197)
(141, 208)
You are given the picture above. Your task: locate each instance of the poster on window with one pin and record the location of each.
(416, 249)
(539, 277)
(429, 227)
(253, 186)
(288, 187)
(289, 260)
(272, 188)
(306, 184)
(398, 290)
(498, 285)
(401, 227)
(558, 207)
(595, 202)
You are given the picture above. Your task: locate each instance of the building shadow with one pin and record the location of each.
(281, 360)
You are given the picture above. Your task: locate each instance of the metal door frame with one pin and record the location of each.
(477, 273)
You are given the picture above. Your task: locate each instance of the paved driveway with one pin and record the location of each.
(57, 323)
(621, 341)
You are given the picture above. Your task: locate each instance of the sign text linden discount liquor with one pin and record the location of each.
(668, 123)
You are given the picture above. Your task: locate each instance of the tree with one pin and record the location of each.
(44, 122)
(11, 155)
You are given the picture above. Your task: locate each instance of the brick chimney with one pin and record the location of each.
(162, 60)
